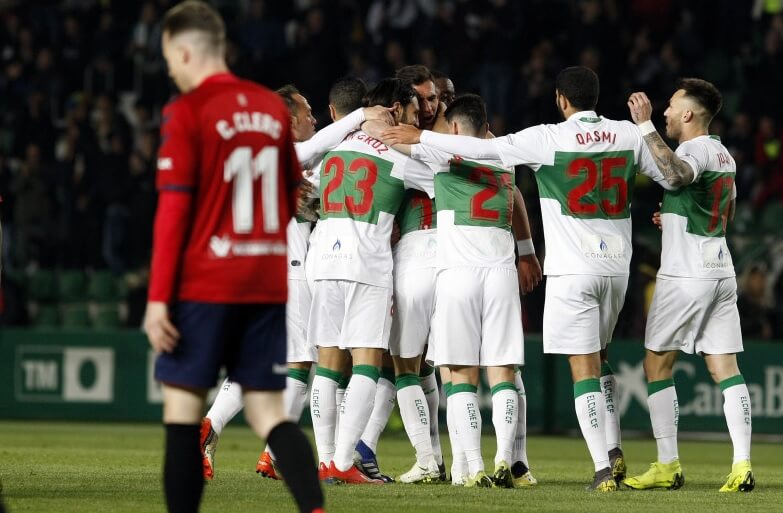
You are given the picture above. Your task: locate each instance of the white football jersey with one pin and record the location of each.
(473, 201)
(585, 168)
(297, 232)
(694, 217)
(363, 182)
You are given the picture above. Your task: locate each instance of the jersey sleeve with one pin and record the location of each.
(419, 175)
(177, 155)
(430, 155)
(328, 137)
(526, 147)
(695, 155)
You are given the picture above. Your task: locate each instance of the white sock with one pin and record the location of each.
(590, 409)
(323, 411)
(415, 417)
(430, 386)
(468, 419)
(354, 414)
(520, 440)
(736, 408)
(385, 397)
(504, 419)
(338, 400)
(609, 387)
(459, 465)
(664, 417)
(228, 403)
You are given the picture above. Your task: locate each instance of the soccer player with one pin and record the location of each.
(585, 168)
(310, 147)
(478, 316)
(362, 185)
(227, 181)
(445, 87)
(423, 83)
(694, 307)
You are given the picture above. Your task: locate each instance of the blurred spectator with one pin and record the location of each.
(754, 304)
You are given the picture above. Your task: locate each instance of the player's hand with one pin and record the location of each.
(379, 113)
(401, 134)
(656, 218)
(160, 331)
(529, 271)
(374, 128)
(640, 107)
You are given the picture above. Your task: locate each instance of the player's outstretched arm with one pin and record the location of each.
(528, 269)
(464, 146)
(676, 172)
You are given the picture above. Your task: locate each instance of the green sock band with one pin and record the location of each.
(463, 387)
(657, 386)
(387, 373)
(426, 370)
(730, 382)
(407, 380)
(329, 373)
(299, 374)
(447, 388)
(606, 369)
(503, 385)
(370, 371)
(344, 380)
(586, 386)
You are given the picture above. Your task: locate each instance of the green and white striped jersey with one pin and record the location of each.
(363, 183)
(473, 201)
(694, 217)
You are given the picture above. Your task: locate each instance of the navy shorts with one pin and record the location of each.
(249, 340)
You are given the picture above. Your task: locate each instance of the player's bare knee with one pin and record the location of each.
(406, 365)
(658, 365)
(500, 374)
(264, 410)
(183, 405)
(464, 374)
(721, 366)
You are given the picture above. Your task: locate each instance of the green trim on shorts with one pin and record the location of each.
(504, 385)
(387, 373)
(407, 380)
(426, 370)
(447, 388)
(328, 373)
(371, 371)
(732, 381)
(606, 369)
(463, 387)
(657, 386)
(586, 386)
(299, 374)
(344, 380)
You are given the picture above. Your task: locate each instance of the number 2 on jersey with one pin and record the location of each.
(243, 169)
(492, 184)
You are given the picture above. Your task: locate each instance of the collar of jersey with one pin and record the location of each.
(587, 116)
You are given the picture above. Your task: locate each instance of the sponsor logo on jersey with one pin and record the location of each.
(279, 369)
(336, 246)
(242, 100)
(223, 247)
(602, 247)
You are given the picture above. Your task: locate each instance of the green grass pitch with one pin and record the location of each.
(91, 467)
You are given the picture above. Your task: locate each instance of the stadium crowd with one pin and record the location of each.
(82, 84)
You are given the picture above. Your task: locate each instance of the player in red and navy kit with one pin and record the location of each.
(227, 181)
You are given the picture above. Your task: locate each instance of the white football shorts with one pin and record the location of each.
(414, 302)
(694, 316)
(580, 312)
(478, 318)
(297, 315)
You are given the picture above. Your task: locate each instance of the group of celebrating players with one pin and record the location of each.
(408, 251)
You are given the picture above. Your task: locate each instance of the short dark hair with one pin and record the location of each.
(416, 74)
(388, 91)
(287, 93)
(580, 86)
(704, 93)
(197, 16)
(437, 75)
(346, 94)
(470, 108)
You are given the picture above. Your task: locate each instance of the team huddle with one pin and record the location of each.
(453, 280)
(408, 251)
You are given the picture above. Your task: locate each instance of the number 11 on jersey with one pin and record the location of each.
(243, 169)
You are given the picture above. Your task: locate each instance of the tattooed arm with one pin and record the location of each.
(676, 171)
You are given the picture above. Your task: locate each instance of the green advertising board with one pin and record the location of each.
(89, 375)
